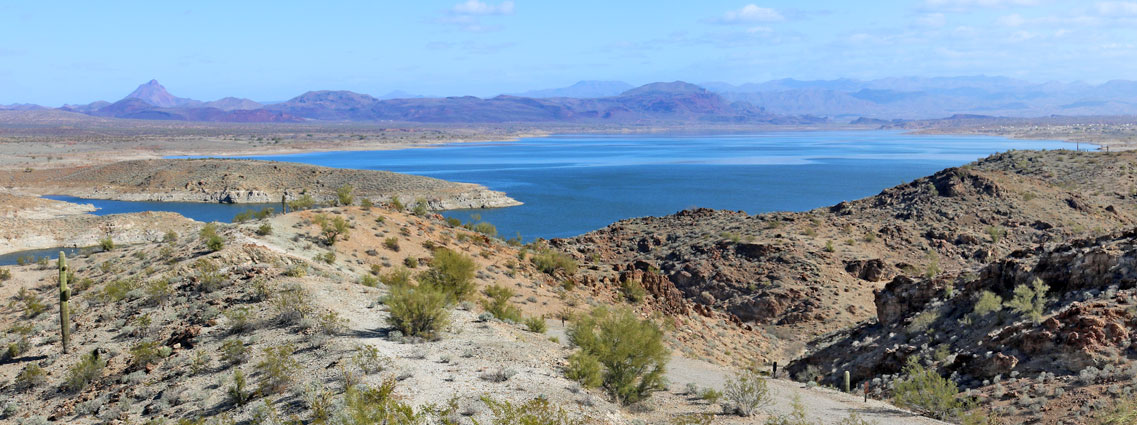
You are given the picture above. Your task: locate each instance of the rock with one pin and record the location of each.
(873, 270)
(902, 295)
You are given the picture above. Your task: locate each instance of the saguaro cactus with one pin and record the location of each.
(847, 387)
(64, 296)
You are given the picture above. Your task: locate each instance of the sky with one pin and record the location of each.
(56, 52)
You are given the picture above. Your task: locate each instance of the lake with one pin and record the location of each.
(572, 184)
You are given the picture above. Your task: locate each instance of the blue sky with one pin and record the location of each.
(52, 52)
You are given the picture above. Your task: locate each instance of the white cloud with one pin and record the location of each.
(750, 14)
(1012, 20)
(1117, 8)
(934, 20)
(967, 4)
(475, 7)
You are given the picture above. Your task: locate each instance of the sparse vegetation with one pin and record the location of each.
(550, 262)
(418, 311)
(747, 392)
(537, 411)
(633, 291)
(106, 244)
(497, 303)
(345, 195)
(631, 351)
(87, 369)
(450, 273)
(1030, 301)
(331, 229)
(923, 390)
(277, 368)
(392, 243)
(210, 238)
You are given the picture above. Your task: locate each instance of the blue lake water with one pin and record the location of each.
(573, 184)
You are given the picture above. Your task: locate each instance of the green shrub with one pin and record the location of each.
(420, 208)
(418, 312)
(497, 303)
(5, 274)
(265, 229)
(410, 262)
(327, 257)
(158, 291)
(484, 228)
(210, 238)
(536, 324)
(988, 303)
(30, 376)
(396, 204)
(396, 277)
(304, 202)
(33, 304)
(630, 349)
(87, 369)
(366, 204)
(1030, 301)
(208, 275)
(1122, 412)
(118, 290)
(537, 411)
(243, 216)
(277, 368)
(368, 280)
(292, 304)
(106, 244)
(710, 395)
(345, 195)
(144, 353)
(923, 390)
(549, 262)
(392, 243)
(368, 359)
(996, 233)
(451, 273)
(331, 228)
(368, 405)
(747, 392)
(239, 319)
(453, 222)
(238, 392)
(585, 369)
(633, 291)
(234, 351)
(170, 236)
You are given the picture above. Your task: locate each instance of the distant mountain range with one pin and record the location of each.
(657, 102)
(786, 101)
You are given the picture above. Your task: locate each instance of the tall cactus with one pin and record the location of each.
(64, 296)
(847, 387)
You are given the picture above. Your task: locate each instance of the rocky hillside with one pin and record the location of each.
(1068, 363)
(269, 324)
(794, 276)
(245, 181)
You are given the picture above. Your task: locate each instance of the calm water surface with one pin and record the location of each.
(574, 184)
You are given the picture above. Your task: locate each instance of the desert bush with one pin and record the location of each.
(988, 303)
(451, 273)
(304, 202)
(392, 243)
(747, 392)
(332, 229)
(327, 257)
(396, 204)
(419, 312)
(368, 280)
(330, 323)
(118, 290)
(585, 369)
(106, 244)
(208, 275)
(265, 229)
(144, 353)
(420, 208)
(633, 291)
(170, 236)
(710, 395)
(30, 376)
(537, 411)
(292, 304)
(5, 274)
(277, 368)
(158, 291)
(453, 222)
(923, 390)
(368, 405)
(239, 319)
(366, 204)
(87, 369)
(497, 303)
(345, 195)
(410, 262)
(995, 233)
(549, 262)
(238, 391)
(210, 238)
(536, 324)
(484, 228)
(1030, 301)
(243, 216)
(33, 304)
(631, 351)
(234, 351)
(368, 359)
(396, 277)
(1122, 412)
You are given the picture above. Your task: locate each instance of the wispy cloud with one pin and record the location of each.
(1117, 8)
(967, 4)
(475, 7)
(468, 15)
(750, 14)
